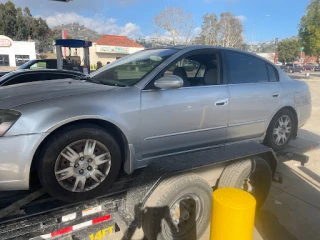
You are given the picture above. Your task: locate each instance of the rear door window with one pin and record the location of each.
(244, 68)
(273, 77)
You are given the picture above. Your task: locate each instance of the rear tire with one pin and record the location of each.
(90, 183)
(159, 220)
(271, 138)
(252, 175)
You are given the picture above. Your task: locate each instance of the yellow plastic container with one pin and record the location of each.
(233, 212)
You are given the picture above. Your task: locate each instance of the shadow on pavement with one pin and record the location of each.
(310, 136)
(292, 210)
(311, 174)
(163, 224)
(270, 228)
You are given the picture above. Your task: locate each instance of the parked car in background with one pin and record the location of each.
(24, 76)
(317, 68)
(283, 67)
(37, 64)
(314, 64)
(291, 68)
(78, 135)
(308, 67)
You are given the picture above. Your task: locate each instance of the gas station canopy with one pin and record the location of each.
(73, 43)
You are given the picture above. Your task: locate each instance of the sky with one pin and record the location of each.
(134, 18)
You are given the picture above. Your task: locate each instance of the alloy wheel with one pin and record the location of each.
(282, 130)
(82, 165)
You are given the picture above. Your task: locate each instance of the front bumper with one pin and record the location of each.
(16, 154)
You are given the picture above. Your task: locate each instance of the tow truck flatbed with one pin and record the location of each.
(121, 206)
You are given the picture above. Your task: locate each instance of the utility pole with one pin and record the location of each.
(276, 50)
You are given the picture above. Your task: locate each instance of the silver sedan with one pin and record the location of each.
(79, 134)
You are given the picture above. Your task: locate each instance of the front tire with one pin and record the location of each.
(79, 163)
(280, 130)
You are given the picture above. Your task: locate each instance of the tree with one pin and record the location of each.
(19, 25)
(226, 32)
(231, 30)
(309, 29)
(177, 23)
(288, 49)
(210, 30)
(8, 16)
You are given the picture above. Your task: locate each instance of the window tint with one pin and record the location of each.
(201, 71)
(52, 64)
(25, 78)
(130, 69)
(189, 66)
(196, 70)
(272, 73)
(246, 69)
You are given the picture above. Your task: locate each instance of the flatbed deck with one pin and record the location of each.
(22, 217)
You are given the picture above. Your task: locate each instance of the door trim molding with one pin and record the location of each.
(182, 133)
(246, 123)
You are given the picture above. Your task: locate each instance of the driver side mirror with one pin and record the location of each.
(169, 82)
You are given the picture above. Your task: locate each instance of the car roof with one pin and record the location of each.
(199, 47)
(45, 59)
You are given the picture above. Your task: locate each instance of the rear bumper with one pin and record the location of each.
(16, 154)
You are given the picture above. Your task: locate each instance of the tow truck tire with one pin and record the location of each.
(252, 175)
(161, 219)
(51, 151)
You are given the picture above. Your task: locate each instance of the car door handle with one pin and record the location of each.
(275, 95)
(221, 102)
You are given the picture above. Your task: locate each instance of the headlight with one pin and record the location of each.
(7, 119)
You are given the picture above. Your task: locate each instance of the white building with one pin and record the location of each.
(15, 53)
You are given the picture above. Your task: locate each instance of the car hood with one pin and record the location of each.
(20, 94)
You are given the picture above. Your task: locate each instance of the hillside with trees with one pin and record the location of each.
(76, 31)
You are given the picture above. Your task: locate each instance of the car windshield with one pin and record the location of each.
(129, 70)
